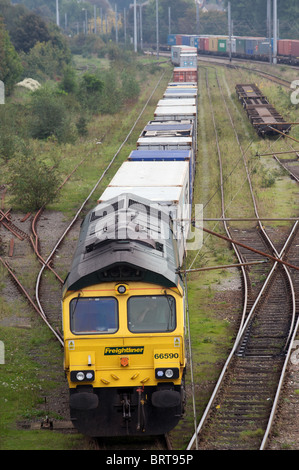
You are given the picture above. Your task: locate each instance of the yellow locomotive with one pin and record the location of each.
(123, 322)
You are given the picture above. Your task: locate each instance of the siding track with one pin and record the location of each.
(240, 412)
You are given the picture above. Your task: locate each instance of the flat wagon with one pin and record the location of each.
(263, 116)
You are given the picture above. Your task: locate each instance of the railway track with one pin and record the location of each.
(234, 64)
(242, 407)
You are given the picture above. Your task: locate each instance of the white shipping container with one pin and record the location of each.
(173, 102)
(191, 85)
(165, 143)
(152, 174)
(178, 94)
(168, 113)
(172, 200)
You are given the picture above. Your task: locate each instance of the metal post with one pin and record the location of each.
(141, 34)
(274, 32)
(269, 29)
(157, 26)
(229, 30)
(125, 25)
(116, 24)
(135, 26)
(169, 20)
(95, 18)
(197, 16)
(57, 13)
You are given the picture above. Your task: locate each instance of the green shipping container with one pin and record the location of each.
(241, 46)
(221, 45)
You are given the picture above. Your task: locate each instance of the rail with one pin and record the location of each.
(244, 325)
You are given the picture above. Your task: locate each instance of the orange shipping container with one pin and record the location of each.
(294, 48)
(284, 47)
(181, 74)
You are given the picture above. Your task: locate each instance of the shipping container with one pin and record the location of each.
(185, 85)
(194, 41)
(185, 40)
(157, 174)
(188, 60)
(171, 39)
(167, 149)
(164, 143)
(183, 74)
(284, 47)
(180, 93)
(240, 45)
(294, 48)
(170, 198)
(249, 47)
(184, 128)
(153, 174)
(178, 39)
(233, 45)
(213, 44)
(222, 43)
(184, 56)
(203, 44)
(155, 154)
(174, 102)
(170, 113)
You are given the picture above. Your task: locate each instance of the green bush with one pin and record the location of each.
(50, 115)
(130, 87)
(33, 182)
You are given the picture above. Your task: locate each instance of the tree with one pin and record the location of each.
(29, 30)
(11, 141)
(90, 92)
(10, 64)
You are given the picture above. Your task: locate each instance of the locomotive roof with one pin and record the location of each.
(127, 238)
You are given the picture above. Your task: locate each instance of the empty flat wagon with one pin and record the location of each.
(263, 116)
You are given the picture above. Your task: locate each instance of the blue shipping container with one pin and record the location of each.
(171, 39)
(249, 46)
(186, 40)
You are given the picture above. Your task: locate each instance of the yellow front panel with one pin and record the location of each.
(125, 359)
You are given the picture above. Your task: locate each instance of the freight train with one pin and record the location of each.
(254, 48)
(124, 297)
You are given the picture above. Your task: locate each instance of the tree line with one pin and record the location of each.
(250, 18)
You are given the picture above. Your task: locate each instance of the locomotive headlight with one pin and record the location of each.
(80, 376)
(169, 373)
(121, 289)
